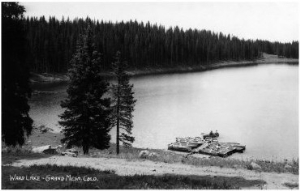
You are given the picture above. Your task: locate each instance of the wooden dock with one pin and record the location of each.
(209, 147)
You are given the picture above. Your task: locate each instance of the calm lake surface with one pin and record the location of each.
(256, 106)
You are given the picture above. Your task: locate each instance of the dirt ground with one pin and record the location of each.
(146, 167)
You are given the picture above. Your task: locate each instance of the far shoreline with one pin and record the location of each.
(192, 69)
(266, 59)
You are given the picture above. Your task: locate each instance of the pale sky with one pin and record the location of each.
(274, 21)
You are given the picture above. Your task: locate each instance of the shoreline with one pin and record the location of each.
(38, 139)
(275, 174)
(266, 59)
(53, 138)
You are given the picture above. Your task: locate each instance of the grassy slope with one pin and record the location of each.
(177, 157)
(109, 180)
(132, 154)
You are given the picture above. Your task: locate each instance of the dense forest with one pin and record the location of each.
(52, 42)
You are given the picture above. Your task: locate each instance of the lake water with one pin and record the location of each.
(256, 106)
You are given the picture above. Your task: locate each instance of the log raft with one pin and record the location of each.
(209, 146)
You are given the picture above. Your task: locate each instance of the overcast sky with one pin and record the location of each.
(274, 21)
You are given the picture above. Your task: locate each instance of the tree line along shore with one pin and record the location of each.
(265, 59)
(51, 44)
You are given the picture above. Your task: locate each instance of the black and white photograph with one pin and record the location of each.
(150, 95)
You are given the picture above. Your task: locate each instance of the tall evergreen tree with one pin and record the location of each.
(87, 115)
(16, 121)
(123, 104)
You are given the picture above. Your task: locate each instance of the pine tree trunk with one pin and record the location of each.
(118, 111)
(85, 149)
(118, 129)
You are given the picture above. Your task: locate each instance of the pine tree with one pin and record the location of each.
(15, 77)
(123, 104)
(87, 115)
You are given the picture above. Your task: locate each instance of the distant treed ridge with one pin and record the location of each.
(52, 42)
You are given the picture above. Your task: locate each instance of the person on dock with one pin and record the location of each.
(217, 134)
